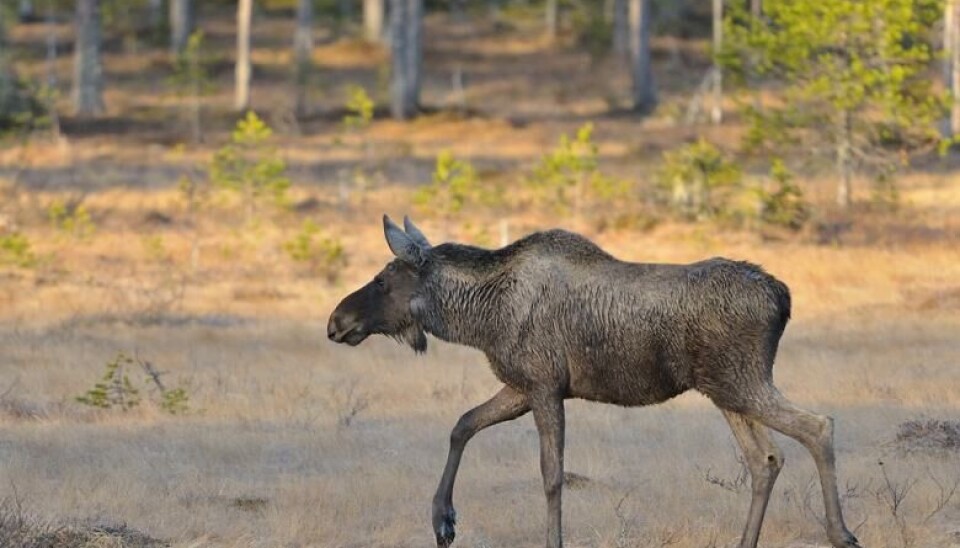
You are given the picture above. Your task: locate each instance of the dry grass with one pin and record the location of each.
(265, 458)
(293, 441)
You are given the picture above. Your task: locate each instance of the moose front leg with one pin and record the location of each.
(549, 415)
(506, 405)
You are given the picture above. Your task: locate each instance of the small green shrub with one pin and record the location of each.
(176, 401)
(154, 248)
(324, 255)
(72, 219)
(250, 167)
(698, 181)
(360, 108)
(884, 194)
(115, 390)
(785, 206)
(569, 176)
(454, 186)
(15, 250)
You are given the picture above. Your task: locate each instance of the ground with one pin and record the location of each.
(291, 440)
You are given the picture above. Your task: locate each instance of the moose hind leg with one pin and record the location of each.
(815, 432)
(505, 405)
(764, 460)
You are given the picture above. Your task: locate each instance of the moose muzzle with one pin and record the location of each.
(345, 327)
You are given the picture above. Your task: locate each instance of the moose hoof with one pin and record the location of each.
(443, 526)
(846, 540)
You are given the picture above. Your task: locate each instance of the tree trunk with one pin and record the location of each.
(844, 160)
(181, 24)
(493, 10)
(415, 51)
(644, 87)
(951, 66)
(346, 11)
(155, 10)
(7, 78)
(552, 17)
(373, 20)
(621, 28)
(87, 68)
(51, 72)
(243, 69)
(457, 11)
(303, 50)
(25, 10)
(716, 112)
(955, 69)
(753, 78)
(405, 33)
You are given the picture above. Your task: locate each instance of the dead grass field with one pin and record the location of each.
(294, 441)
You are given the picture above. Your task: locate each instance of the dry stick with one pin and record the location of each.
(893, 496)
(152, 372)
(943, 499)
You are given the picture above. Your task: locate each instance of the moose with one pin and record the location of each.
(560, 318)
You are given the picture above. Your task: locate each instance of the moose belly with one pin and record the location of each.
(624, 381)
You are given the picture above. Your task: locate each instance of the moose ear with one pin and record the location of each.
(415, 233)
(401, 244)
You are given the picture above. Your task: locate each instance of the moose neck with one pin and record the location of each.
(466, 302)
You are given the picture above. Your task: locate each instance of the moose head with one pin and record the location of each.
(385, 305)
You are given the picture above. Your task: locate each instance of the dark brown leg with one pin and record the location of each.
(506, 405)
(549, 415)
(764, 460)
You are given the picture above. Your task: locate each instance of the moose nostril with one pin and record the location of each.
(332, 329)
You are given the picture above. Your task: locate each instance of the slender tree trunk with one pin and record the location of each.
(415, 51)
(155, 10)
(243, 68)
(493, 10)
(457, 11)
(51, 70)
(621, 28)
(7, 78)
(946, 127)
(955, 69)
(951, 66)
(87, 68)
(399, 105)
(25, 10)
(181, 24)
(644, 87)
(716, 112)
(303, 50)
(844, 160)
(405, 34)
(756, 12)
(552, 19)
(373, 20)
(346, 11)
